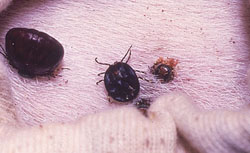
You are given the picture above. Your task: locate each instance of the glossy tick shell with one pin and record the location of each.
(121, 82)
(32, 52)
(164, 72)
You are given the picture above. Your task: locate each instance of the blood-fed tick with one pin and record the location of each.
(121, 81)
(164, 69)
(31, 52)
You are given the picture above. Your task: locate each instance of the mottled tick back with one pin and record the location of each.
(121, 81)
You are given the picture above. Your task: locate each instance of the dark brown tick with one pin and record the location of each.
(31, 52)
(121, 81)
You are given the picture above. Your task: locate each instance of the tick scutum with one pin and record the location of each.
(164, 72)
(121, 82)
(32, 53)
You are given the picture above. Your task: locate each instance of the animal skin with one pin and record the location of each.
(210, 41)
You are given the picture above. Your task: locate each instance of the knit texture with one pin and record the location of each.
(127, 130)
(123, 130)
(217, 131)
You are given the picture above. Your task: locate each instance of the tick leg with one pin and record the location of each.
(65, 68)
(144, 112)
(99, 82)
(109, 100)
(150, 81)
(3, 53)
(129, 54)
(101, 73)
(129, 51)
(140, 71)
(58, 75)
(101, 63)
(25, 74)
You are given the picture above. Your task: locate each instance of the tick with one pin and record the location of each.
(164, 69)
(143, 105)
(120, 79)
(31, 52)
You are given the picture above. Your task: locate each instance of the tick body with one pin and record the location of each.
(164, 72)
(31, 52)
(143, 104)
(164, 69)
(121, 81)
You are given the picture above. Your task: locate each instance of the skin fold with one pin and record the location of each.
(209, 39)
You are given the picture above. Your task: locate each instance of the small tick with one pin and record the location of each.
(164, 69)
(31, 52)
(143, 105)
(121, 81)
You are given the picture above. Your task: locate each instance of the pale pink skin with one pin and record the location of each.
(210, 40)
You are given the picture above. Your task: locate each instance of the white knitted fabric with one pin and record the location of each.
(123, 130)
(172, 125)
(209, 131)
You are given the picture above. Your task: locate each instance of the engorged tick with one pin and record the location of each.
(31, 52)
(121, 81)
